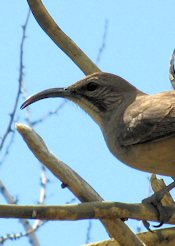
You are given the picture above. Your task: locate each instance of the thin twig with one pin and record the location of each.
(103, 45)
(6, 194)
(88, 233)
(30, 232)
(27, 226)
(20, 80)
(48, 114)
(44, 182)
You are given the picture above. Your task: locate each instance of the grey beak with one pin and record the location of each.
(54, 92)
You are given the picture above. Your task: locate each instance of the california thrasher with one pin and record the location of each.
(139, 129)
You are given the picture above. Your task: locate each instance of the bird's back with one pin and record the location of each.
(146, 140)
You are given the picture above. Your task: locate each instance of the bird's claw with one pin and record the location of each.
(155, 202)
(146, 225)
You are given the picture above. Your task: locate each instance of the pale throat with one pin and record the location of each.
(89, 108)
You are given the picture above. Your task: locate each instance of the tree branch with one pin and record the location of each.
(159, 184)
(79, 187)
(163, 237)
(60, 38)
(87, 210)
(20, 80)
(26, 224)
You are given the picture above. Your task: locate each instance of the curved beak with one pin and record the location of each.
(54, 92)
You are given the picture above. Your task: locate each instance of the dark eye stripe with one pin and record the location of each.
(91, 86)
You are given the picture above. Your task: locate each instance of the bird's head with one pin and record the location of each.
(98, 94)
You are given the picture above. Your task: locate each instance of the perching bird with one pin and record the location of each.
(139, 129)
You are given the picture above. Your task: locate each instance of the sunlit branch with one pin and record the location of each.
(60, 38)
(79, 187)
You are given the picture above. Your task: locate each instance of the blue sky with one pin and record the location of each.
(139, 42)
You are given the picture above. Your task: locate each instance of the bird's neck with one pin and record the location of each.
(113, 121)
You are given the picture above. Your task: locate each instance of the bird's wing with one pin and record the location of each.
(148, 119)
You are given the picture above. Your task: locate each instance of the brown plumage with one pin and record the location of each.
(139, 129)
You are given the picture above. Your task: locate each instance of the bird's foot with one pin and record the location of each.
(155, 202)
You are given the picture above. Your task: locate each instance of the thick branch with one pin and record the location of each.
(82, 190)
(163, 237)
(60, 38)
(88, 210)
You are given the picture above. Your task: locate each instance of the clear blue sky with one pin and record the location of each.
(140, 40)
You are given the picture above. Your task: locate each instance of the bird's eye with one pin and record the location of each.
(92, 86)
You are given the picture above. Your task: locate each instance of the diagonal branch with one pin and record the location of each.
(159, 184)
(79, 187)
(163, 237)
(60, 38)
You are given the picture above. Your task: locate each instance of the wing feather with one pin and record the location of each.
(149, 118)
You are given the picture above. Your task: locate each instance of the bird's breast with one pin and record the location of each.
(155, 157)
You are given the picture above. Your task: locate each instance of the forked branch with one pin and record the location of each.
(80, 188)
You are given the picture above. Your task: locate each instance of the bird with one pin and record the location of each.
(139, 129)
